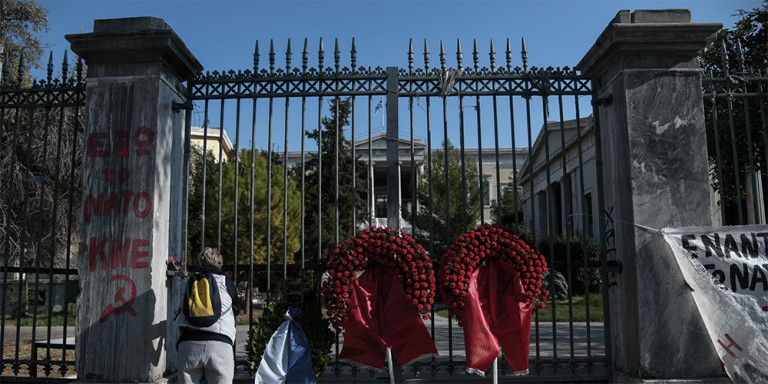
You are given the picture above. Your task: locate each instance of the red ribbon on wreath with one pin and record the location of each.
(381, 307)
(491, 280)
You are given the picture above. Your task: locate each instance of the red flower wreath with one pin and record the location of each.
(387, 248)
(488, 242)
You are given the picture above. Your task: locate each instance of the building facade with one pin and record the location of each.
(559, 180)
(497, 169)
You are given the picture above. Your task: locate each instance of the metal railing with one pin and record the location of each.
(306, 171)
(735, 101)
(308, 166)
(41, 127)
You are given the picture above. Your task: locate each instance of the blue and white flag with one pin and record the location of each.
(379, 106)
(287, 357)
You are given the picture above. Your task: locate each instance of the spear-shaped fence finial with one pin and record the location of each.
(336, 55)
(525, 56)
(49, 70)
(271, 56)
(442, 56)
(492, 57)
(256, 58)
(288, 55)
(459, 55)
(410, 56)
(320, 56)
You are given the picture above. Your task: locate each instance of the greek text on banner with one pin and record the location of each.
(727, 269)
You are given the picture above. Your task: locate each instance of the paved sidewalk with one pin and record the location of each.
(588, 340)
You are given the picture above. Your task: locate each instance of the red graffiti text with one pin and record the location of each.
(128, 253)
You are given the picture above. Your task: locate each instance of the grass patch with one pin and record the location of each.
(579, 308)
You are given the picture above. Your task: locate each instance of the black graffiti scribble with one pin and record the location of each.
(122, 304)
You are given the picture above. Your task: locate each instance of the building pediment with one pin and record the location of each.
(380, 142)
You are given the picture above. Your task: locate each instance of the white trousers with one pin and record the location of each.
(213, 361)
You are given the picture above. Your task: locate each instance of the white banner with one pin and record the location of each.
(727, 268)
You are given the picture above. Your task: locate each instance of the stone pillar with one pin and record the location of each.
(132, 196)
(655, 175)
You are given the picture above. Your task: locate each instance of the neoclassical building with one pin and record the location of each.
(559, 179)
(412, 162)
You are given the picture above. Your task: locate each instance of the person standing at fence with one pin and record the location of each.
(207, 323)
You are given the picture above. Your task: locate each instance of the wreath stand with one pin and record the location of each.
(393, 377)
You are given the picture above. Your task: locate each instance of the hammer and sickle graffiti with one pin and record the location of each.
(121, 304)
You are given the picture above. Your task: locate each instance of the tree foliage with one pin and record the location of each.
(328, 212)
(734, 64)
(40, 153)
(224, 229)
(41, 188)
(452, 208)
(20, 21)
(508, 210)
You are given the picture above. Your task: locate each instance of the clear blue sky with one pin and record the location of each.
(222, 34)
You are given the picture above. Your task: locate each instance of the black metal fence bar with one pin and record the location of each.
(41, 129)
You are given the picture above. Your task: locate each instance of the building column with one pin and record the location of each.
(132, 196)
(372, 191)
(655, 172)
(400, 188)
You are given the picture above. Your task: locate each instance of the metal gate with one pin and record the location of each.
(310, 164)
(41, 129)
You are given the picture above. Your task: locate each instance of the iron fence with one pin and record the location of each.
(735, 112)
(41, 126)
(293, 183)
(309, 166)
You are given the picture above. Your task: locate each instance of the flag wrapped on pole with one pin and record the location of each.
(287, 357)
(379, 106)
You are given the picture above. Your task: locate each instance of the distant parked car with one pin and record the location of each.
(259, 299)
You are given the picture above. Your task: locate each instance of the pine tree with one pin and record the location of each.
(20, 22)
(333, 206)
(453, 207)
